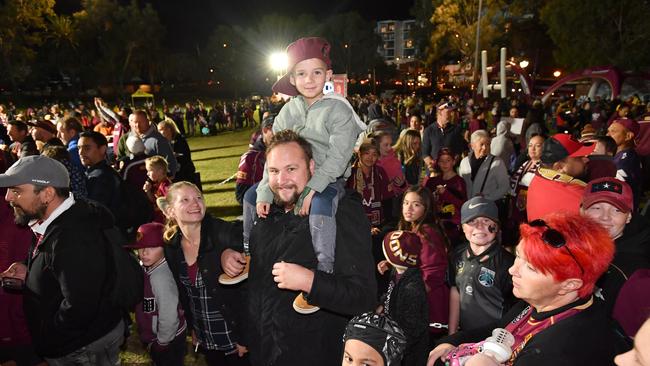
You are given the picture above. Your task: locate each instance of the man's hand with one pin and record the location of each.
(375, 230)
(232, 262)
(306, 204)
(262, 209)
(16, 270)
(439, 352)
(292, 276)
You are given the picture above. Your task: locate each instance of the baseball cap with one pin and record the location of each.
(38, 170)
(610, 190)
(563, 145)
(300, 50)
(135, 145)
(629, 124)
(402, 248)
(148, 236)
(47, 126)
(587, 134)
(479, 207)
(381, 333)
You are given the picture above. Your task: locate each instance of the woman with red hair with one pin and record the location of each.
(559, 259)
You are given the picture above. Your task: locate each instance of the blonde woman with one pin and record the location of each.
(407, 149)
(197, 252)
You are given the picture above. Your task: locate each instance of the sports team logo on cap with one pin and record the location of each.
(402, 248)
(608, 186)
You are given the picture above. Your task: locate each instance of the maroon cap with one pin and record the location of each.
(610, 190)
(46, 125)
(402, 249)
(629, 124)
(300, 50)
(149, 236)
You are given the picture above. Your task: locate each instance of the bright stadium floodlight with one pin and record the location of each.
(278, 61)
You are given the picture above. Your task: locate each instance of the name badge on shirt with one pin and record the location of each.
(149, 304)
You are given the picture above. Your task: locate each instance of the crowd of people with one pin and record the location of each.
(378, 231)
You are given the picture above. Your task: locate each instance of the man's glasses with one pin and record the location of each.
(555, 239)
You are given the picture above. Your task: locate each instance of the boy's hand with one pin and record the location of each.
(292, 276)
(306, 204)
(262, 209)
(241, 350)
(147, 186)
(232, 262)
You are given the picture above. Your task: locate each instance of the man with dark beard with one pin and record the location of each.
(67, 277)
(283, 264)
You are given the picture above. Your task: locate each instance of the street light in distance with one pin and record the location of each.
(557, 73)
(278, 62)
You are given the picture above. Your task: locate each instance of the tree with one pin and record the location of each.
(120, 42)
(22, 32)
(607, 32)
(454, 32)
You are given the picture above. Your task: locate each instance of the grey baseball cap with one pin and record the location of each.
(38, 170)
(479, 207)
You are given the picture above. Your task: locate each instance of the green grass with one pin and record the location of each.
(216, 158)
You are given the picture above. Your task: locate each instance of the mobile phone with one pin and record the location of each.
(12, 283)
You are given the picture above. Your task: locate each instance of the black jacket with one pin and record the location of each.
(216, 236)
(632, 253)
(279, 335)
(68, 282)
(586, 338)
(434, 138)
(104, 186)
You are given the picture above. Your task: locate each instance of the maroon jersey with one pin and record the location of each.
(374, 189)
(251, 164)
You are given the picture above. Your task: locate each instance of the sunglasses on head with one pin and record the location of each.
(555, 239)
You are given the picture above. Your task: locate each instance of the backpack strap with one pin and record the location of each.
(487, 173)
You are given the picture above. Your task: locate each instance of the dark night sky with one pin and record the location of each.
(189, 21)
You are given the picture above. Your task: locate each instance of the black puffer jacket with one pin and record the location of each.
(279, 335)
(68, 282)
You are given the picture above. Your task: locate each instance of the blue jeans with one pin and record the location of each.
(103, 352)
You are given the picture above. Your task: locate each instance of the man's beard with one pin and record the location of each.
(286, 203)
(23, 218)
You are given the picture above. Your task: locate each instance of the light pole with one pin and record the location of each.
(278, 62)
(478, 33)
